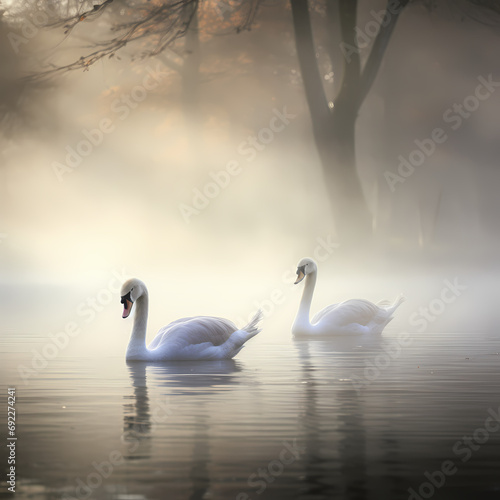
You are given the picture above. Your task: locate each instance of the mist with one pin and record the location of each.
(197, 168)
(101, 172)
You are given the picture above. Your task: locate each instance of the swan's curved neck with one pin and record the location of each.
(137, 344)
(305, 303)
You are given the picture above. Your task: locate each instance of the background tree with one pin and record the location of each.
(334, 121)
(176, 29)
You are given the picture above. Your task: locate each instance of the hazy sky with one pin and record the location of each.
(103, 171)
(103, 178)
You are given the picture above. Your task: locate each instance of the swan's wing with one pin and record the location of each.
(202, 351)
(163, 332)
(327, 310)
(180, 320)
(384, 303)
(196, 330)
(358, 311)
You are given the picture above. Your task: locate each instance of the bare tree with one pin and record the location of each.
(148, 27)
(334, 121)
(152, 27)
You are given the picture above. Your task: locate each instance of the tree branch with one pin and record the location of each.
(333, 42)
(306, 53)
(374, 61)
(352, 64)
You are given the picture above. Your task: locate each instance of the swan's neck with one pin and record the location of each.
(137, 345)
(302, 319)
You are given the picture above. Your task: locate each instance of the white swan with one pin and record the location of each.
(200, 337)
(352, 317)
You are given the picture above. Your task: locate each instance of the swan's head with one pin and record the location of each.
(132, 289)
(304, 267)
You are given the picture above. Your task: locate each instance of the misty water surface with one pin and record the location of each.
(201, 430)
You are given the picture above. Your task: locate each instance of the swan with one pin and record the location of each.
(352, 317)
(200, 337)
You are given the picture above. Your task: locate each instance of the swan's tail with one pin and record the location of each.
(236, 341)
(252, 328)
(385, 315)
(392, 307)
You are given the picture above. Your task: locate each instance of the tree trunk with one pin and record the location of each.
(334, 129)
(338, 158)
(333, 135)
(190, 97)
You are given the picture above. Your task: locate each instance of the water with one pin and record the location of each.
(294, 420)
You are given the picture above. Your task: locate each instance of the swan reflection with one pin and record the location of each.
(339, 445)
(344, 443)
(169, 408)
(202, 379)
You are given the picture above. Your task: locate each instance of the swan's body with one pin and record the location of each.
(352, 317)
(200, 337)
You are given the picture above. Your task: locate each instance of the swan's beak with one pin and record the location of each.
(127, 305)
(300, 275)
